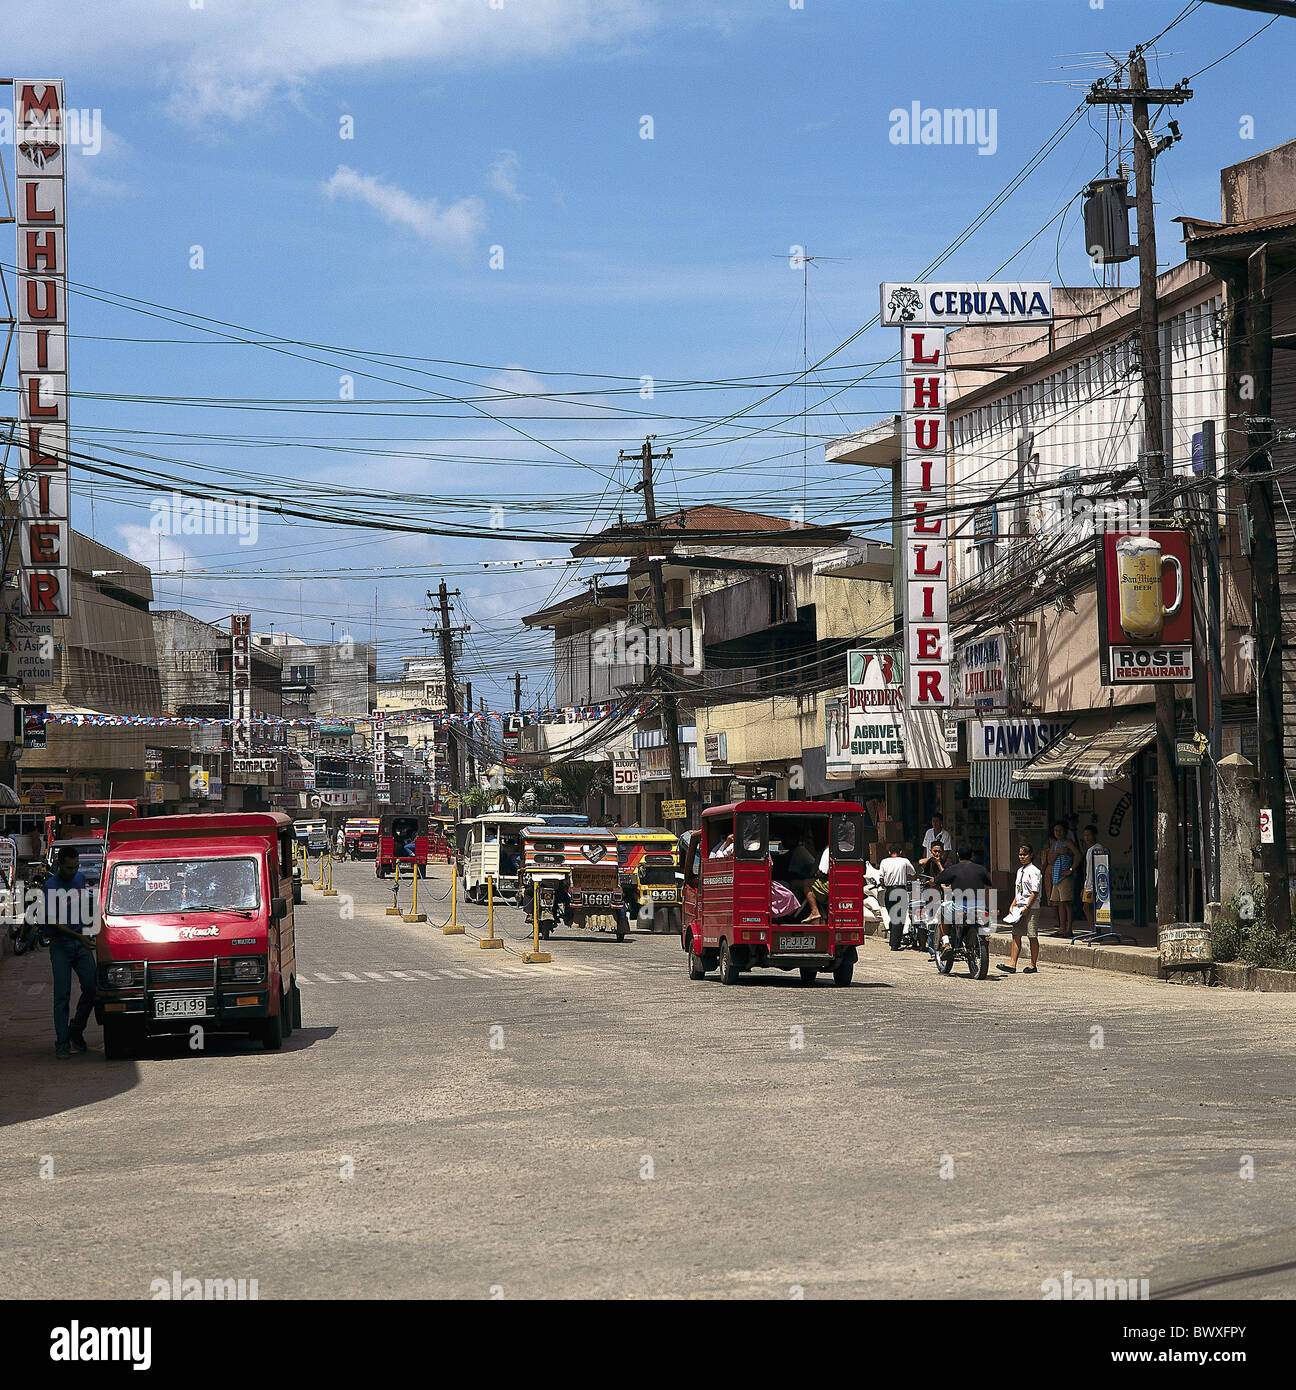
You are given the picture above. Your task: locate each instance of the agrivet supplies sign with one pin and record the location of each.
(922, 313)
(40, 152)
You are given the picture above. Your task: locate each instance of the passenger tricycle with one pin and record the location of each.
(775, 884)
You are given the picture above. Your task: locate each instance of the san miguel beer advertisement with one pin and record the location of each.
(1145, 617)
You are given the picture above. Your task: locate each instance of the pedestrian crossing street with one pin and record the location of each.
(463, 972)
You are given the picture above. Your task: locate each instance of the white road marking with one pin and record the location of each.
(376, 975)
(347, 975)
(453, 974)
(401, 975)
(425, 974)
(328, 980)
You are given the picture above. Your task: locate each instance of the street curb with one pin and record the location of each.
(1144, 961)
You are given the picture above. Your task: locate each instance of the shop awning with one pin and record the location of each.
(1099, 746)
(996, 779)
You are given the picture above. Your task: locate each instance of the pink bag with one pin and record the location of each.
(783, 901)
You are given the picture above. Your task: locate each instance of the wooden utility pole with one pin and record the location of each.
(517, 692)
(1137, 96)
(446, 633)
(665, 694)
(1266, 597)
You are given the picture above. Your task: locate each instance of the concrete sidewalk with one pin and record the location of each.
(1141, 960)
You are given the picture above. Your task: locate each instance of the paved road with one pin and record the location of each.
(635, 1134)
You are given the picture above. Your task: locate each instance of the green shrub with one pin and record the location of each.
(1226, 938)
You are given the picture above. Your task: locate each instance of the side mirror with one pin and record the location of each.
(278, 909)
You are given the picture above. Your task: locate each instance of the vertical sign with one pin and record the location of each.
(922, 313)
(241, 686)
(922, 505)
(1102, 904)
(40, 217)
(379, 750)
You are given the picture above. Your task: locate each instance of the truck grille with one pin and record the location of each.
(189, 973)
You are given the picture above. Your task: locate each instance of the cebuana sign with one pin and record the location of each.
(955, 305)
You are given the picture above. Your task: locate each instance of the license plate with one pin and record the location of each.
(598, 899)
(182, 1006)
(796, 943)
(664, 895)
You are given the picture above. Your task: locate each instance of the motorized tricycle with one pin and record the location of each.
(742, 910)
(571, 877)
(648, 861)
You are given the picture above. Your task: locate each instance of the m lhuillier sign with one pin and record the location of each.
(922, 313)
(40, 152)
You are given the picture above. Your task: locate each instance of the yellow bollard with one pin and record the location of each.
(536, 956)
(320, 884)
(330, 891)
(452, 927)
(394, 909)
(414, 915)
(491, 940)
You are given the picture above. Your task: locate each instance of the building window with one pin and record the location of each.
(301, 675)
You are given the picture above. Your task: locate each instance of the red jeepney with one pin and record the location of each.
(402, 839)
(441, 837)
(196, 927)
(728, 918)
(85, 820)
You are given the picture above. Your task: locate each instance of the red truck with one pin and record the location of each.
(196, 928)
(729, 916)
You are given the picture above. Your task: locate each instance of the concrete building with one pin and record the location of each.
(105, 662)
(195, 663)
(323, 678)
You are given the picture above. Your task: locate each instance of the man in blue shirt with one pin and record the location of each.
(67, 906)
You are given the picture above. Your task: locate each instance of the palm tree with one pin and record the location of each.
(580, 781)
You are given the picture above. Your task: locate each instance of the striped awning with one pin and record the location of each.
(995, 778)
(1094, 750)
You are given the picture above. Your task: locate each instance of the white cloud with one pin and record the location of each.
(141, 543)
(229, 57)
(455, 227)
(503, 175)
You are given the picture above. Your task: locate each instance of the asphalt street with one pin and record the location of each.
(451, 1122)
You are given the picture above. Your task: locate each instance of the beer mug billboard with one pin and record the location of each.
(1140, 565)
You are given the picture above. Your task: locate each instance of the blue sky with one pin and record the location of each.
(520, 128)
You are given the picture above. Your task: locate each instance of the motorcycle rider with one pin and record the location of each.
(969, 882)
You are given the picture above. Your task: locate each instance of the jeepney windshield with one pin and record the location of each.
(183, 885)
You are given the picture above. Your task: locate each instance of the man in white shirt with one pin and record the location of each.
(1023, 916)
(896, 871)
(935, 833)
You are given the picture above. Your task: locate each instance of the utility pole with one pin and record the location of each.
(665, 693)
(517, 692)
(446, 633)
(1266, 599)
(1136, 96)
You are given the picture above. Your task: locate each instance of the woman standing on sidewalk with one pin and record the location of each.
(1059, 873)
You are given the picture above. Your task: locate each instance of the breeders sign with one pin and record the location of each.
(875, 708)
(923, 312)
(1145, 609)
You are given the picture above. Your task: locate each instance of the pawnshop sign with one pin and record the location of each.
(40, 216)
(923, 313)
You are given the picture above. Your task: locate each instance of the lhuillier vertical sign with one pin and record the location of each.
(40, 156)
(924, 313)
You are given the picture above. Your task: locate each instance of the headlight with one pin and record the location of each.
(243, 968)
(120, 975)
